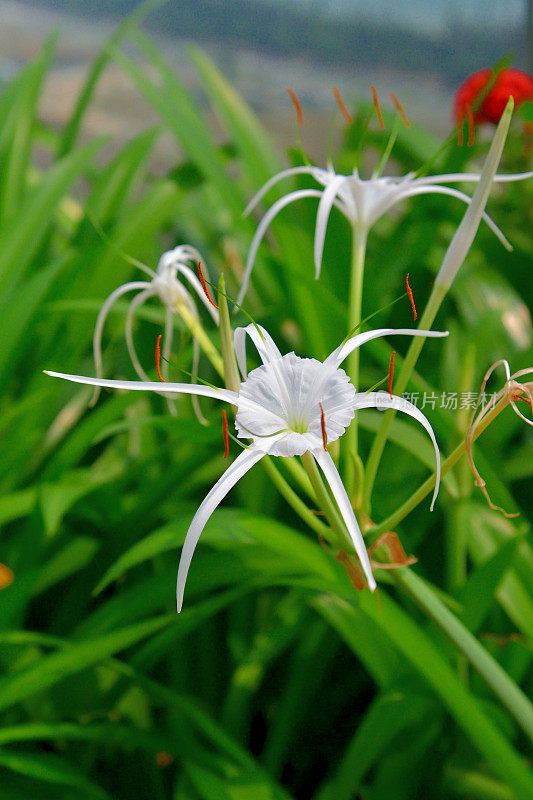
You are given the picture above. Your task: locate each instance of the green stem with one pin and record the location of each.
(288, 493)
(397, 516)
(326, 503)
(197, 330)
(437, 296)
(359, 239)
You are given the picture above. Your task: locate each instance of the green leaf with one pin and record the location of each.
(75, 658)
(50, 768)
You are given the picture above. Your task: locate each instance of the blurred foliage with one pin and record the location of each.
(277, 680)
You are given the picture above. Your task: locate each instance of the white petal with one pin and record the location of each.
(167, 350)
(240, 466)
(266, 347)
(261, 229)
(153, 386)
(384, 400)
(135, 303)
(324, 210)
(339, 493)
(468, 177)
(197, 286)
(447, 190)
(464, 236)
(286, 173)
(344, 350)
(100, 322)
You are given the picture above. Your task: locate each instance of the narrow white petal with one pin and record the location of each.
(167, 350)
(265, 344)
(286, 173)
(468, 177)
(384, 400)
(339, 493)
(324, 210)
(195, 363)
(152, 386)
(134, 305)
(100, 322)
(344, 350)
(240, 466)
(447, 190)
(261, 229)
(197, 286)
(464, 236)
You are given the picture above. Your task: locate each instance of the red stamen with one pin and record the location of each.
(460, 120)
(400, 110)
(340, 102)
(297, 106)
(376, 106)
(391, 371)
(225, 433)
(158, 358)
(204, 285)
(411, 297)
(471, 126)
(323, 426)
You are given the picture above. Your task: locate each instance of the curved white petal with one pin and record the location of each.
(384, 400)
(447, 190)
(468, 177)
(344, 350)
(194, 400)
(329, 469)
(167, 350)
(152, 386)
(324, 210)
(100, 322)
(265, 344)
(240, 466)
(135, 303)
(197, 286)
(286, 173)
(261, 229)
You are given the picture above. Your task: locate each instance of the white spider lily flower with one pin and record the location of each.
(288, 406)
(166, 285)
(361, 201)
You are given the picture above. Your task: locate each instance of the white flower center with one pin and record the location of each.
(279, 409)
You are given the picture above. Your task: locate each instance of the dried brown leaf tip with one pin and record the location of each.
(511, 393)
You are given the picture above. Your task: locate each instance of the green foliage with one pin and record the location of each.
(278, 680)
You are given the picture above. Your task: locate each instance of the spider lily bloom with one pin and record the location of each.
(288, 406)
(507, 83)
(166, 285)
(361, 201)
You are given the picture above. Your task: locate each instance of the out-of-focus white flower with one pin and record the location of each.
(166, 284)
(288, 406)
(362, 201)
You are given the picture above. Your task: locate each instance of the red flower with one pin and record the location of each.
(508, 82)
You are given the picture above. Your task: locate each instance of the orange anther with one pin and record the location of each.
(376, 106)
(340, 102)
(411, 297)
(204, 285)
(323, 426)
(391, 371)
(297, 106)
(158, 358)
(400, 109)
(225, 433)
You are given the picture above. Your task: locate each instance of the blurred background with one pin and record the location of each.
(421, 51)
